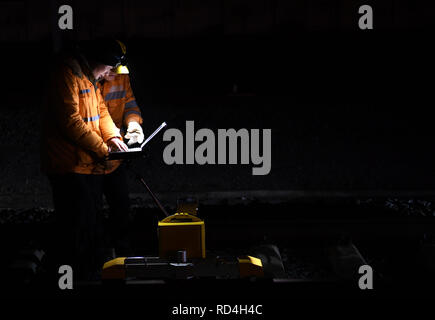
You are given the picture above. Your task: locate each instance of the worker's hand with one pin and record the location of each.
(134, 133)
(115, 144)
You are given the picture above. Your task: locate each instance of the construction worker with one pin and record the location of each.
(77, 135)
(121, 103)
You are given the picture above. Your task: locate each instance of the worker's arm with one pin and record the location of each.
(107, 126)
(109, 131)
(66, 109)
(132, 116)
(131, 109)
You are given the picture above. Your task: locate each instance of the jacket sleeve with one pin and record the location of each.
(107, 126)
(131, 109)
(67, 114)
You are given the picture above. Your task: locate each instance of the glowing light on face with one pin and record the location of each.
(101, 70)
(110, 75)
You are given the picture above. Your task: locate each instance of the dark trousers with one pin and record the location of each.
(115, 188)
(77, 237)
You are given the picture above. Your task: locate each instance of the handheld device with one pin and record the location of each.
(134, 152)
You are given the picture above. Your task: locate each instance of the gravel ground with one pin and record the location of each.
(216, 204)
(303, 259)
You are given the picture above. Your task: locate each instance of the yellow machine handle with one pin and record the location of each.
(181, 217)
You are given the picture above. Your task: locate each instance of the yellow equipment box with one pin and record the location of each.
(181, 231)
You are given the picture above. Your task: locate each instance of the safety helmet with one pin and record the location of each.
(121, 68)
(109, 52)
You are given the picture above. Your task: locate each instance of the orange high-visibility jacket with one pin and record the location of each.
(76, 122)
(122, 106)
(120, 100)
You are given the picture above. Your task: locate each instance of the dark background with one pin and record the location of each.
(350, 110)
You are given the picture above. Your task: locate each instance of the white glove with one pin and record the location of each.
(134, 133)
(118, 132)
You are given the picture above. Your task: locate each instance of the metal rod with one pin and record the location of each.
(153, 196)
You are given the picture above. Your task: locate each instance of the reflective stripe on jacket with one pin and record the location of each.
(120, 100)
